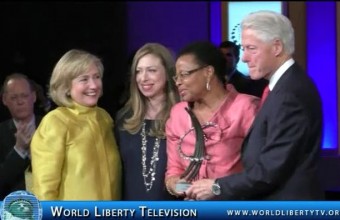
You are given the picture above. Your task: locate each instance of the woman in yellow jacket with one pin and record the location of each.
(74, 153)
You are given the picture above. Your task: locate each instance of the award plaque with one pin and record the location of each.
(182, 186)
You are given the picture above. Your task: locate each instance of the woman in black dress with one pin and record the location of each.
(140, 124)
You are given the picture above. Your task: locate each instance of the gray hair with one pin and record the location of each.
(270, 25)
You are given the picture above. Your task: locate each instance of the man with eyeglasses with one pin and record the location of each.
(241, 82)
(19, 96)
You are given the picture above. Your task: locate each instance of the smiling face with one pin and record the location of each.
(151, 76)
(87, 87)
(260, 56)
(190, 87)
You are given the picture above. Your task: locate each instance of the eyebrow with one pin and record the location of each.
(147, 67)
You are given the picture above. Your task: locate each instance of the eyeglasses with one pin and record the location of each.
(185, 74)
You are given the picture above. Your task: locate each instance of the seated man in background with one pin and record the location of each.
(19, 96)
(242, 83)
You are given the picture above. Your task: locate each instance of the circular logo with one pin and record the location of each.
(21, 205)
(236, 34)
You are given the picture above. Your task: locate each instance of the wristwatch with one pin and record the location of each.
(216, 189)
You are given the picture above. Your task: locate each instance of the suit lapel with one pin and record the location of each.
(246, 139)
(11, 126)
(280, 83)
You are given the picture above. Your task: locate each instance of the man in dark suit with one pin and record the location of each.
(281, 151)
(19, 96)
(241, 82)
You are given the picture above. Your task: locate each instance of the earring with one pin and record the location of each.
(207, 86)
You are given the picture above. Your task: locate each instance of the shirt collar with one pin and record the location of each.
(82, 110)
(279, 72)
(32, 121)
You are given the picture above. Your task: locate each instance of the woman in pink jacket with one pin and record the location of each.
(206, 130)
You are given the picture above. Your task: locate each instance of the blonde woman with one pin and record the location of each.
(74, 152)
(140, 129)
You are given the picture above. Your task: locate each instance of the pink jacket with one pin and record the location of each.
(224, 133)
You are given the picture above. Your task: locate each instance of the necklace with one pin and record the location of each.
(149, 176)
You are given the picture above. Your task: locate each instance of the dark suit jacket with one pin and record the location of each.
(12, 166)
(281, 150)
(245, 84)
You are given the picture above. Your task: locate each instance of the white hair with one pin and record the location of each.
(270, 25)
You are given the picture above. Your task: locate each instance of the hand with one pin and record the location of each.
(200, 190)
(171, 186)
(24, 135)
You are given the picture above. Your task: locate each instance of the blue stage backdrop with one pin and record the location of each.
(321, 63)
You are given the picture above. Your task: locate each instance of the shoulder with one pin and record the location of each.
(296, 82)
(178, 109)
(104, 114)
(178, 112)
(240, 96)
(243, 100)
(6, 128)
(54, 122)
(58, 116)
(6, 124)
(178, 119)
(179, 106)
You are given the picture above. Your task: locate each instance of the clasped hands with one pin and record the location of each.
(24, 135)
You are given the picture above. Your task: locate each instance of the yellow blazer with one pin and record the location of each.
(75, 156)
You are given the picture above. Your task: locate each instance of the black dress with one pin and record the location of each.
(130, 147)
